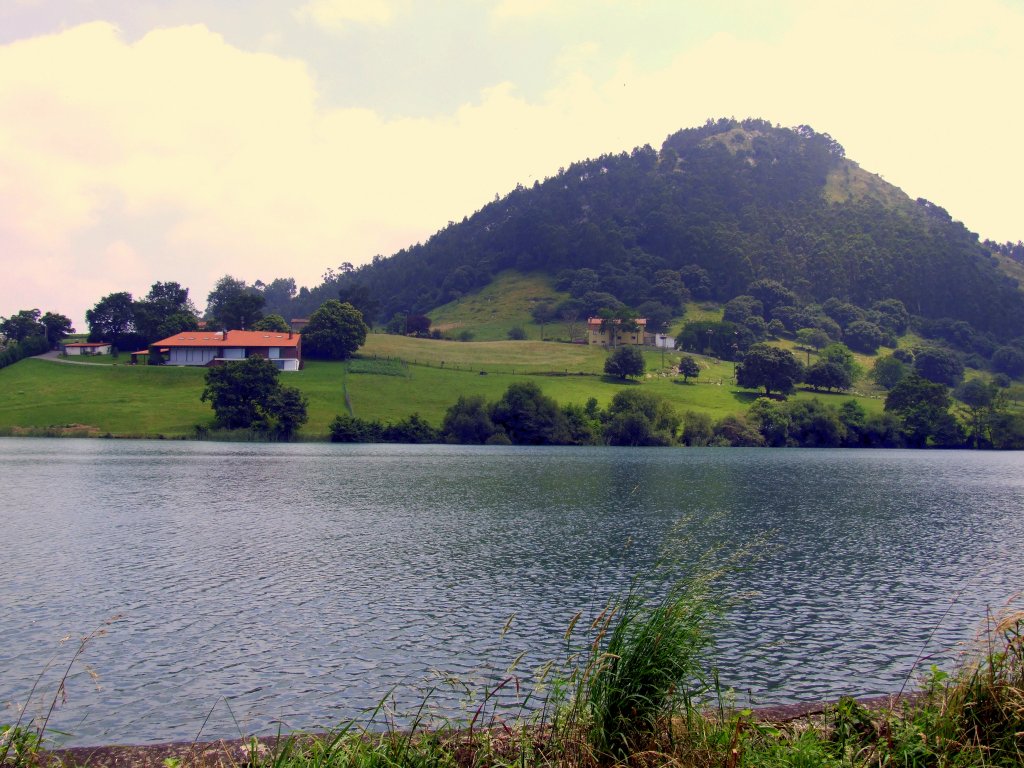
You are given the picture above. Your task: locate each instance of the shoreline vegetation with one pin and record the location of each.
(636, 687)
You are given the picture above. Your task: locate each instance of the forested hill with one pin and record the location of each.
(724, 205)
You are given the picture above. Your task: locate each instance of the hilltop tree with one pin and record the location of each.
(335, 331)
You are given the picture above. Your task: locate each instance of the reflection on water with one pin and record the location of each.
(299, 583)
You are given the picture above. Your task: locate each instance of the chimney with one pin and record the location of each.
(289, 333)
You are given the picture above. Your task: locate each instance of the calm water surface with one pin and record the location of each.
(297, 584)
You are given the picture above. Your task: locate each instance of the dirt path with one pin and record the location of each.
(54, 357)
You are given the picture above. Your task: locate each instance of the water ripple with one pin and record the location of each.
(301, 583)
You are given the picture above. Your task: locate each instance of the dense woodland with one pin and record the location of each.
(722, 206)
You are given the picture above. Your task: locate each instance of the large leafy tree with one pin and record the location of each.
(165, 311)
(769, 367)
(278, 295)
(468, 421)
(625, 362)
(689, 368)
(981, 402)
(112, 320)
(57, 327)
(888, 371)
(271, 323)
(529, 417)
(20, 326)
(638, 418)
(247, 395)
(233, 305)
(923, 407)
(827, 375)
(939, 365)
(335, 331)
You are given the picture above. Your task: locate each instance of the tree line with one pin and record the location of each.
(918, 414)
(31, 332)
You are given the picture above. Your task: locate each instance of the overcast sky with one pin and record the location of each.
(187, 139)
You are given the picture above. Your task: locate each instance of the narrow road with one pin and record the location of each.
(54, 356)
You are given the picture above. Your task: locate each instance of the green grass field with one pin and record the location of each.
(391, 378)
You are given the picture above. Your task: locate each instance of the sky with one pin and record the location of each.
(182, 140)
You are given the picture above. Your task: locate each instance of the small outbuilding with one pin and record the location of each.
(86, 348)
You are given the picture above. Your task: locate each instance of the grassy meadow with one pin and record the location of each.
(503, 304)
(391, 378)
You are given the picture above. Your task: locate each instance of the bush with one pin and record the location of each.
(247, 395)
(517, 333)
(640, 418)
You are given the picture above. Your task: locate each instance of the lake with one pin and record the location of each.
(297, 584)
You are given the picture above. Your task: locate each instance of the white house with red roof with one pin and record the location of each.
(218, 347)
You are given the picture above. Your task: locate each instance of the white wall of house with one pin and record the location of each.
(191, 355)
(286, 364)
(102, 349)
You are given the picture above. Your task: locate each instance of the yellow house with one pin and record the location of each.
(616, 335)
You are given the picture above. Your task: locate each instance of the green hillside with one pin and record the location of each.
(504, 303)
(723, 206)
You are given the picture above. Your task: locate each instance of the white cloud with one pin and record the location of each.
(339, 14)
(519, 9)
(182, 157)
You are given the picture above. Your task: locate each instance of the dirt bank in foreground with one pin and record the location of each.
(235, 753)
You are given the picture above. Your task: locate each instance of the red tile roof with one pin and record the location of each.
(230, 339)
(596, 321)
